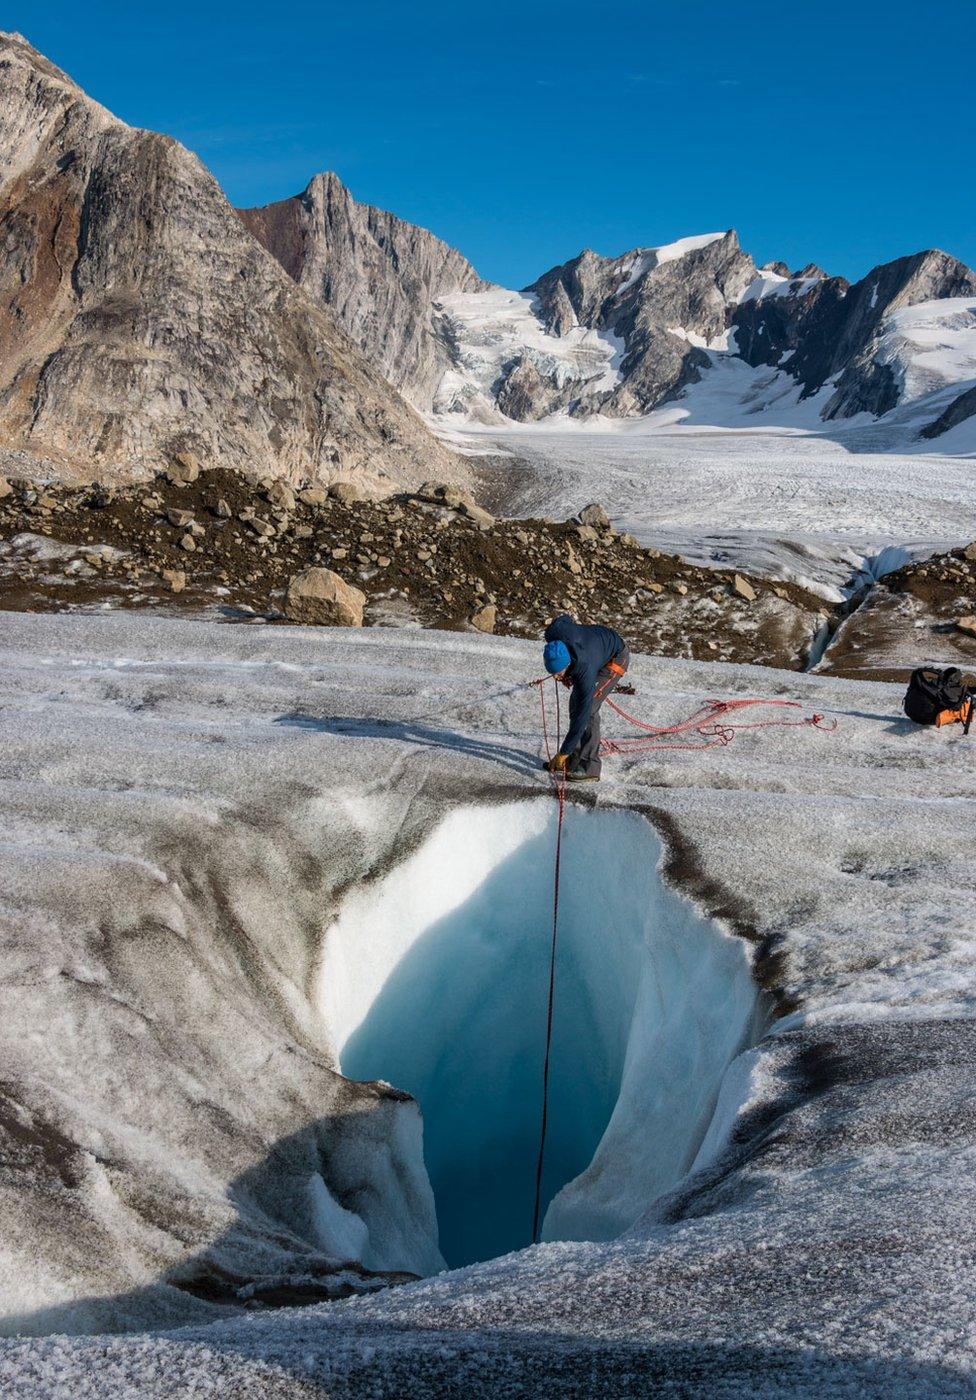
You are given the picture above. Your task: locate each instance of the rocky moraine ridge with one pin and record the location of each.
(220, 544)
(922, 613)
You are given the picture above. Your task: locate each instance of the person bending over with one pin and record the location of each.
(592, 661)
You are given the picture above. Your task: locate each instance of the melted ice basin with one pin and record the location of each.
(436, 977)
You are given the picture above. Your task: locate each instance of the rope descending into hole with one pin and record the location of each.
(560, 781)
(711, 729)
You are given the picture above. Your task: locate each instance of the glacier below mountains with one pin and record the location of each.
(791, 505)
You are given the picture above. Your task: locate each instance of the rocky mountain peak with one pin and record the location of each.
(139, 318)
(379, 275)
(16, 53)
(601, 289)
(35, 99)
(867, 381)
(662, 304)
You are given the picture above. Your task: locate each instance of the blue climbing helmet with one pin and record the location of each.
(555, 657)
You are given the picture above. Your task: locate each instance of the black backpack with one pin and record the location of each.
(931, 691)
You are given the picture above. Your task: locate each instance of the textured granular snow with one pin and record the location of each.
(186, 808)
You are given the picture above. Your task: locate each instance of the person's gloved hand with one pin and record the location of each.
(557, 764)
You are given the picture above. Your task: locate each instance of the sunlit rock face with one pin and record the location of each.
(139, 318)
(379, 275)
(436, 980)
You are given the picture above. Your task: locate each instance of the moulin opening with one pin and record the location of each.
(436, 980)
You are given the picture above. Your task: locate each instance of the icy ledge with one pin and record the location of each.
(435, 979)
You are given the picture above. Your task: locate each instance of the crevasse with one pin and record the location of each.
(435, 979)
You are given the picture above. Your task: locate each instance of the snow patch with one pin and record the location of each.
(930, 345)
(668, 252)
(492, 329)
(772, 284)
(633, 266)
(42, 549)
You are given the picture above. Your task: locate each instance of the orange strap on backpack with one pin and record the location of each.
(962, 715)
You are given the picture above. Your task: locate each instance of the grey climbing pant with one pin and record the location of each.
(586, 759)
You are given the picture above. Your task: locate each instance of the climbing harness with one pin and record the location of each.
(713, 728)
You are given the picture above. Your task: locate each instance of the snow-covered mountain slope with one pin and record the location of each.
(607, 336)
(139, 318)
(507, 364)
(901, 337)
(617, 337)
(668, 319)
(930, 346)
(199, 819)
(663, 305)
(856, 339)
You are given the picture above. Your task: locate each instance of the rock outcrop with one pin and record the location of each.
(139, 318)
(957, 412)
(379, 275)
(833, 331)
(663, 304)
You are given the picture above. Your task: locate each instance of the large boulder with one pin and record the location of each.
(184, 469)
(744, 588)
(485, 618)
(444, 494)
(279, 493)
(323, 597)
(595, 516)
(313, 496)
(478, 516)
(347, 493)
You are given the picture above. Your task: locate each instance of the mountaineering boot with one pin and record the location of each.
(580, 777)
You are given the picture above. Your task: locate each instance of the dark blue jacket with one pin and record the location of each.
(590, 648)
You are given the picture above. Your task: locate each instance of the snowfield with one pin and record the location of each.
(738, 468)
(789, 504)
(492, 328)
(228, 850)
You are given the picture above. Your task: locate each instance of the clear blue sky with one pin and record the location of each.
(841, 133)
